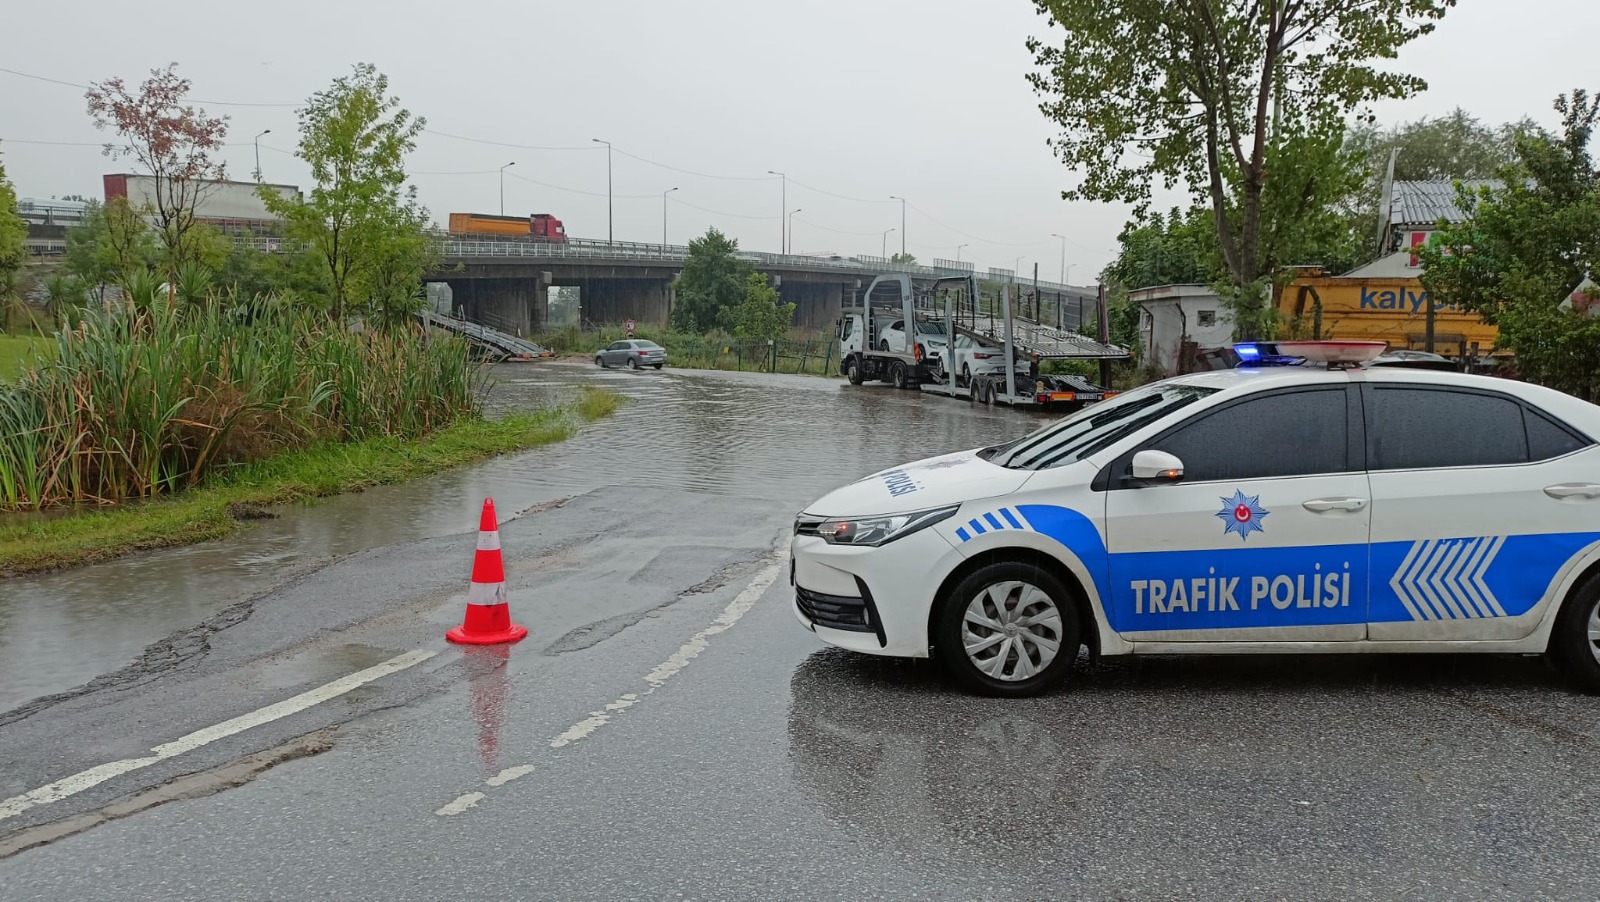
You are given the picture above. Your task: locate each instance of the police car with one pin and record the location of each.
(1324, 506)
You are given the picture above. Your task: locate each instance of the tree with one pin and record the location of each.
(174, 142)
(1213, 94)
(712, 278)
(13, 230)
(1179, 248)
(905, 259)
(1454, 146)
(1525, 247)
(361, 220)
(761, 314)
(108, 244)
(13, 249)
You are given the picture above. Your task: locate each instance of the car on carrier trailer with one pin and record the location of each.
(890, 302)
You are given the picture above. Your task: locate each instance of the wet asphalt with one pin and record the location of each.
(669, 731)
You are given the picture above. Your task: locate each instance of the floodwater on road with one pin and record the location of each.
(774, 439)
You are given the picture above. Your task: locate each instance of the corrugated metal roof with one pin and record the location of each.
(1425, 203)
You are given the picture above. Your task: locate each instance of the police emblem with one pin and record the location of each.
(1242, 514)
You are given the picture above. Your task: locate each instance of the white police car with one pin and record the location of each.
(1337, 508)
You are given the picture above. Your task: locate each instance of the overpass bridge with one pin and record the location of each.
(505, 282)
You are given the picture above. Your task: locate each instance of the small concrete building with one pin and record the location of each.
(1177, 321)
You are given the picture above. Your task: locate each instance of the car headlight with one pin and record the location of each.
(875, 531)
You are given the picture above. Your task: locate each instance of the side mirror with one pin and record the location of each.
(1156, 468)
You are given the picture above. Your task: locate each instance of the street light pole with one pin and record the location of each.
(1063, 256)
(958, 251)
(884, 251)
(258, 153)
(664, 218)
(783, 204)
(902, 222)
(791, 230)
(503, 186)
(611, 235)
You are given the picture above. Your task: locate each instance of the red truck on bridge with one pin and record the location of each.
(536, 227)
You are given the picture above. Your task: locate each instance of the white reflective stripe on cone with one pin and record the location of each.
(489, 541)
(487, 593)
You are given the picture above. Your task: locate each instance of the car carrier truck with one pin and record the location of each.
(932, 317)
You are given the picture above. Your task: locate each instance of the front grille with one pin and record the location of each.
(836, 612)
(805, 525)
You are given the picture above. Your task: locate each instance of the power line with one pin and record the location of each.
(704, 175)
(505, 143)
(721, 213)
(532, 147)
(859, 200)
(71, 84)
(577, 190)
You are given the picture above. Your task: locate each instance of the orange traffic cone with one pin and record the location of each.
(488, 620)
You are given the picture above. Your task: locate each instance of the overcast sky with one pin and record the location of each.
(856, 101)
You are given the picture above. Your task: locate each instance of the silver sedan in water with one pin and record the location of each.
(632, 353)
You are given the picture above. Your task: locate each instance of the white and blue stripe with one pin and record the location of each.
(1000, 520)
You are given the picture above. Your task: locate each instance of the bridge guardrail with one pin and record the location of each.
(590, 249)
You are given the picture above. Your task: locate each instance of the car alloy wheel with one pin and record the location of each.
(1012, 631)
(633, 364)
(1008, 629)
(600, 362)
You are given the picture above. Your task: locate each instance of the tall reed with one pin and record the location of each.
(146, 400)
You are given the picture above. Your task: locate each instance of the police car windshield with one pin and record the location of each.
(1094, 428)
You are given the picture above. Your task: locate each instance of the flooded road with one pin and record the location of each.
(784, 439)
(668, 730)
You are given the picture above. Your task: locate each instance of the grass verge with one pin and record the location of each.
(222, 506)
(17, 352)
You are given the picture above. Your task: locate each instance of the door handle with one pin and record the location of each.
(1322, 505)
(1573, 490)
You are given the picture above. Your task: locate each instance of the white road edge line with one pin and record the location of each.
(657, 677)
(94, 776)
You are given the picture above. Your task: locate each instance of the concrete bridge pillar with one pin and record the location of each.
(516, 306)
(816, 304)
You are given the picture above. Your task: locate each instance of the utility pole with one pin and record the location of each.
(884, 251)
(664, 218)
(958, 251)
(258, 153)
(611, 235)
(902, 222)
(503, 186)
(783, 204)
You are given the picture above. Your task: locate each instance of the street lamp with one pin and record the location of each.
(503, 186)
(258, 153)
(611, 235)
(783, 204)
(902, 222)
(1063, 256)
(664, 218)
(791, 230)
(958, 251)
(884, 251)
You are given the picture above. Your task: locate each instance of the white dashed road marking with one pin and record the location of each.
(94, 776)
(657, 678)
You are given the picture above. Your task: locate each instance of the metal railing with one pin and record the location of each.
(455, 247)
